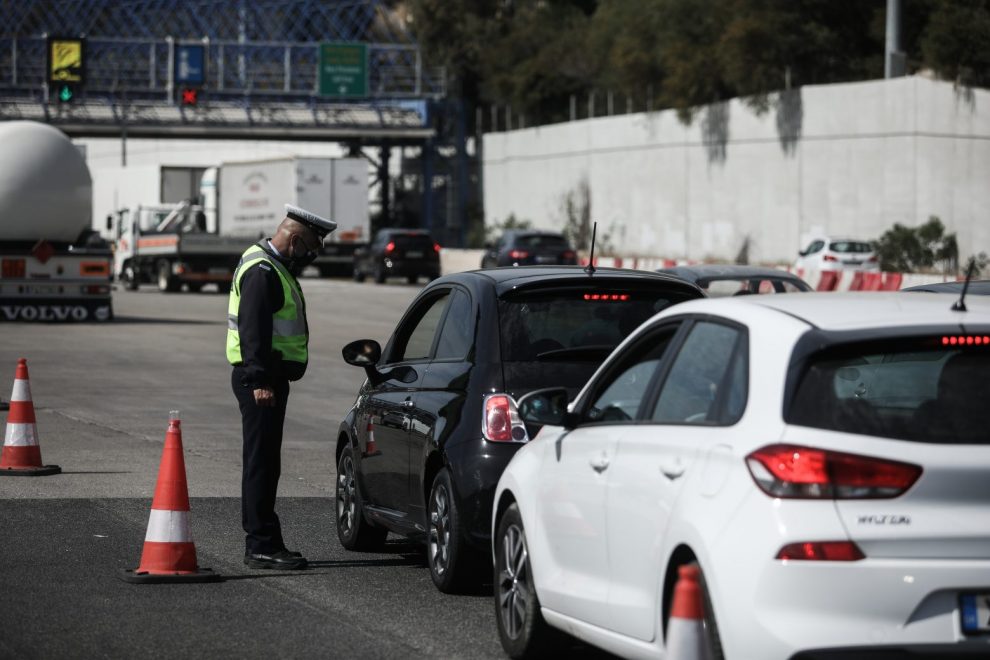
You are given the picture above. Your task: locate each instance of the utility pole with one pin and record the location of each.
(894, 60)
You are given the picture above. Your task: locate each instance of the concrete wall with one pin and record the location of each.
(848, 159)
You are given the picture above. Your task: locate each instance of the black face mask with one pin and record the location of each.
(296, 265)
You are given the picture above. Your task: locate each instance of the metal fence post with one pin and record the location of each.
(170, 74)
(419, 71)
(220, 66)
(151, 65)
(13, 61)
(287, 82)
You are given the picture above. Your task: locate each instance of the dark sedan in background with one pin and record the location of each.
(720, 281)
(435, 423)
(526, 247)
(409, 253)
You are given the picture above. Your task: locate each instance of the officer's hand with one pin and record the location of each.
(265, 397)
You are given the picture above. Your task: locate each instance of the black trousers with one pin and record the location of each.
(262, 467)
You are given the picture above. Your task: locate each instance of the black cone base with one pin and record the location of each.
(201, 575)
(30, 471)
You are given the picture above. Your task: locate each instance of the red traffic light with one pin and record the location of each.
(190, 96)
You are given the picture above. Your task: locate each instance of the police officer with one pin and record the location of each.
(267, 344)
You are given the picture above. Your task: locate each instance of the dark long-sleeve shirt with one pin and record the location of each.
(261, 297)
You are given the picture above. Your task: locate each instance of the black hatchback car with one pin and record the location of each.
(527, 247)
(435, 423)
(409, 253)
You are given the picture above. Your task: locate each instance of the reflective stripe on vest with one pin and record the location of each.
(289, 332)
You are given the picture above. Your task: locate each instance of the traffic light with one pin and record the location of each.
(189, 96)
(65, 93)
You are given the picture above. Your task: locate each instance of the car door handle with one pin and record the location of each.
(672, 471)
(599, 463)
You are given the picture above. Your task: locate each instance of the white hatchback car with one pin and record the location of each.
(837, 254)
(824, 459)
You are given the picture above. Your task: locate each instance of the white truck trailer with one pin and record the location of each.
(248, 199)
(53, 266)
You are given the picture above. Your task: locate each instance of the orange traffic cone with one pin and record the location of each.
(21, 451)
(686, 638)
(169, 552)
(371, 448)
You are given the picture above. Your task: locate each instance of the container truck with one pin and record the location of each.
(53, 266)
(250, 199)
(194, 244)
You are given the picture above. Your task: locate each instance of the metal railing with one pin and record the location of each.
(143, 68)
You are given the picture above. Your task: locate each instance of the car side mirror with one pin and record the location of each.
(362, 353)
(546, 406)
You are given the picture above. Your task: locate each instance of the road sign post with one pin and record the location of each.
(343, 70)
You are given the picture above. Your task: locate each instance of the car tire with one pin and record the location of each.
(412, 279)
(354, 532)
(358, 275)
(224, 287)
(130, 278)
(167, 283)
(379, 274)
(711, 626)
(451, 562)
(195, 287)
(521, 628)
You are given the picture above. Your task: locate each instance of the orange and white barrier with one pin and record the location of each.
(838, 280)
(21, 449)
(169, 553)
(686, 637)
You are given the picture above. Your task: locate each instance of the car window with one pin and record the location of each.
(918, 390)
(622, 396)
(413, 241)
(815, 246)
(537, 241)
(458, 330)
(722, 288)
(850, 247)
(703, 367)
(549, 338)
(415, 339)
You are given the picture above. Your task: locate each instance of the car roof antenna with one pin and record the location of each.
(590, 269)
(960, 305)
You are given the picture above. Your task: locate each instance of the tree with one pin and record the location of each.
(912, 249)
(956, 41)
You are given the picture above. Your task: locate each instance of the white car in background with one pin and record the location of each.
(823, 458)
(837, 254)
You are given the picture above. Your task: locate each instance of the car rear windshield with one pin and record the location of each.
(925, 390)
(413, 241)
(559, 337)
(536, 241)
(851, 247)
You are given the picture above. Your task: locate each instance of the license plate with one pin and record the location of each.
(975, 613)
(42, 289)
(219, 271)
(853, 262)
(414, 255)
(546, 260)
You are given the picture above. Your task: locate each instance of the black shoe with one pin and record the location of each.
(281, 560)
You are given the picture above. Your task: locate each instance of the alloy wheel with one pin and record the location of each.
(346, 504)
(440, 530)
(512, 581)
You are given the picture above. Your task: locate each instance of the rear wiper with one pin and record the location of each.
(563, 353)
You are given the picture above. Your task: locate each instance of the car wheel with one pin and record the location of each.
(130, 278)
(521, 628)
(224, 287)
(379, 274)
(412, 279)
(195, 287)
(450, 561)
(358, 275)
(167, 283)
(354, 532)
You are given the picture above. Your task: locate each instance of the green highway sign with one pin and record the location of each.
(343, 69)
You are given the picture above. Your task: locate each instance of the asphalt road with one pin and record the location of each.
(102, 395)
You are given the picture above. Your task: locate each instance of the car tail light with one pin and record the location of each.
(790, 471)
(518, 254)
(829, 257)
(436, 248)
(872, 259)
(568, 254)
(607, 297)
(965, 340)
(821, 551)
(501, 422)
(390, 248)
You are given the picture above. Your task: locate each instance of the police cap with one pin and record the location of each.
(321, 226)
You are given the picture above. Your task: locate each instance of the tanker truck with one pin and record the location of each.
(53, 266)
